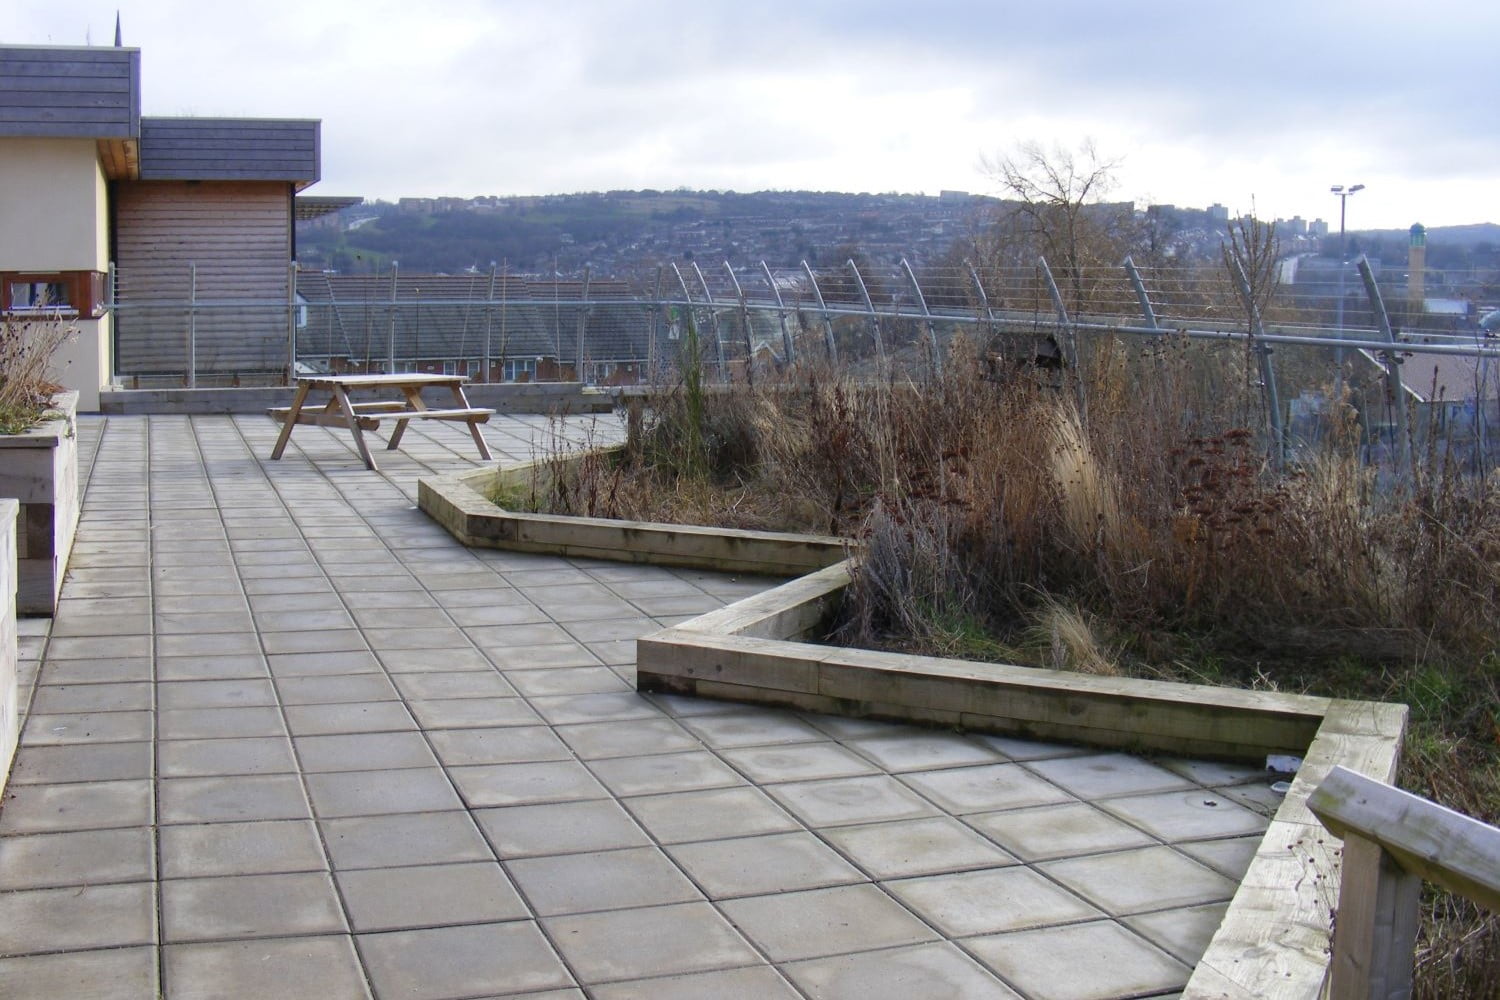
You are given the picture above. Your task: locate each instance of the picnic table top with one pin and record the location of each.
(359, 381)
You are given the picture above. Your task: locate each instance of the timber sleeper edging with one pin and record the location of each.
(1274, 941)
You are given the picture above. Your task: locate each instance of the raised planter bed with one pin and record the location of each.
(39, 468)
(1275, 938)
(460, 502)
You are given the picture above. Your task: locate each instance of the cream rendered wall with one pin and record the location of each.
(54, 216)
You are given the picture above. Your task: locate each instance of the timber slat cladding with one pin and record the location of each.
(239, 237)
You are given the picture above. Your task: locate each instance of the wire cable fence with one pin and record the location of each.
(893, 319)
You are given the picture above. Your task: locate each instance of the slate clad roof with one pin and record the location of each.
(70, 93)
(452, 317)
(230, 149)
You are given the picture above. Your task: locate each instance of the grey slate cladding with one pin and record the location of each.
(230, 149)
(70, 93)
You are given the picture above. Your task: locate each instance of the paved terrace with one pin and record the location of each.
(289, 740)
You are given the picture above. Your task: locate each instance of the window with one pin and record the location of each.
(71, 293)
(520, 370)
(38, 296)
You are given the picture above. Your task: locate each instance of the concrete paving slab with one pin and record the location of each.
(86, 805)
(603, 880)
(916, 847)
(206, 758)
(964, 904)
(850, 801)
(1092, 961)
(757, 983)
(84, 975)
(753, 866)
(1058, 831)
(80, 762)
(500, 745)
(561, 827)
(662, 773)
(251, 848)
(77, 858)
(443, 962)
(1151, 878)
(380, 793)
(302, 968)
(363, 752)
(653, 941)
(796, 925)
(236, 798)
(241, 906)
(77, 918)
(383, 899)
(927, 970)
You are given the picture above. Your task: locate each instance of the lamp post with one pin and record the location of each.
(1343, 194)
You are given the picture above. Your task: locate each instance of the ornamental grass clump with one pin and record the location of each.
(27, 348)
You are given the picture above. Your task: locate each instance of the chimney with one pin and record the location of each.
(1416, 267)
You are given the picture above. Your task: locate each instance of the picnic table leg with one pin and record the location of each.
(413, 396)
(291, 419)
(463, 403)
(342, 398)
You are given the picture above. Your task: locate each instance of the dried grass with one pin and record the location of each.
(27, 347)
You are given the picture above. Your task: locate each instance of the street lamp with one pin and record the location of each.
(1343, 194)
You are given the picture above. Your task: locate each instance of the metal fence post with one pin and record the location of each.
(713, 321)
(874, 316)
(983, 299)
(1147, 312)
(190, 377)
(390, 362)
(489, 322)
(739, 294)
(1393, 387)
(652, 347)
(1069, 345)
(583, 324)
(934, 358)
(291, 324)
(786, 334)
(830, 343)
(1267, 371)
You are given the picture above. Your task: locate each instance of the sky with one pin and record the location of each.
(1264, 104)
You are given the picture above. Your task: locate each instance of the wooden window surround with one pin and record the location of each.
(75, 294)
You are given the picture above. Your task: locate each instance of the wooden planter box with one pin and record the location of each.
(39, 468)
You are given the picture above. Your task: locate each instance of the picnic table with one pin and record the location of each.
(340, 411)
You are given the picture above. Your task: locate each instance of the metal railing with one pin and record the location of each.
(504, 327)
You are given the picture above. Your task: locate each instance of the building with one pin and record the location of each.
(177, 208)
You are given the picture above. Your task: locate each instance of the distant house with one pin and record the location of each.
(184, 207)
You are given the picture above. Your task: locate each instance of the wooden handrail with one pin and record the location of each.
(1393, 840)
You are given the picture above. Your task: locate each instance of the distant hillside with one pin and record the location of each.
(1470, 235)
(621, 231)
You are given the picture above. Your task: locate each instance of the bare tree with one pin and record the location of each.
(1055, 208)
(1257, 249)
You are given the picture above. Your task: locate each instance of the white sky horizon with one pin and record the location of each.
(1266, 107)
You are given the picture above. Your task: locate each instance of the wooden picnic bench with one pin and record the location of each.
(341, 411)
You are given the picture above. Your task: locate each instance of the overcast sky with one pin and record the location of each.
(1200, 101)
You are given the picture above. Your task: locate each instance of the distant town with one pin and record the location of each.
(629, 234)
